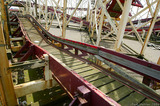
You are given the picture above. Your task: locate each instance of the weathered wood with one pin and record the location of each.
(5, 73)
(133, 99)
(33, 86)
(103, 82)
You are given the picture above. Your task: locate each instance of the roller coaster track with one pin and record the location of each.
(84, 80)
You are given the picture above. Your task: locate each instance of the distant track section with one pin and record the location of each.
(144, 68)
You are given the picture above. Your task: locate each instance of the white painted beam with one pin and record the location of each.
(122, 24)
(33, 86)
(151, 28)
(100, 28)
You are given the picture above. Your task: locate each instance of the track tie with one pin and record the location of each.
(74, 65)
(80, 68)
(125, 96)
(85, 71)
(98, 78)
(90, 74)
(115, 89)
(141, 101)
(106, 83)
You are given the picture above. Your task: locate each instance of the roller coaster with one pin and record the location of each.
(102, 81)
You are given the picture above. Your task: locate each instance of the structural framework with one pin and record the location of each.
(33, 60)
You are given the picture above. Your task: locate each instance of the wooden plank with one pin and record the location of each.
(87, 73)
(95, 77)
(109, 87)
(80, 70)
(120, 93)
(149, 103)
(133, 99)
(75, 64)
(102, 81)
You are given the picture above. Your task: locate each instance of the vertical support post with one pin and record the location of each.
(93, 28)
(47, 72)
(88, 10)
(30, 6)
(158, 61)
(5, 77)
(26, 6)
(122, 24)
(150, 28)
(4, 18)
(146, 80)
(64, 18)
(2, 97)
(6, 9)
(76, 51)
(46, 15)
(100, 28)
(57, 20)
(36, 8)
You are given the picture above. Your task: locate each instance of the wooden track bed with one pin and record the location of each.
(112, 88)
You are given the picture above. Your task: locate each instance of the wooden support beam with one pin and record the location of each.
(103, 6)
(17, 39)
(144, 9)
(100, 28)
(47, 71)
(36, 9)
(2, 96)
(33, 86)
(122, 24)
(73, 12)
(150, 28)
(26, 65)
(158, 61)
(4, 19)
(5, 78)
(64, 19)
(46, 14)
(147, 80)
(55, 13)
(150, 9)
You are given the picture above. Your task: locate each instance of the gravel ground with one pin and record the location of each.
(150, 53)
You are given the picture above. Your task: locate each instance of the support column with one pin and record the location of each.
(122, 24)
(30, 7)
(36, 8)
(5, 74)
(147, 80)
(100, 28)
(88, 11)
(4, 18)
(46, 14)
(64, 19)
(150, 28)
(26, 6)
